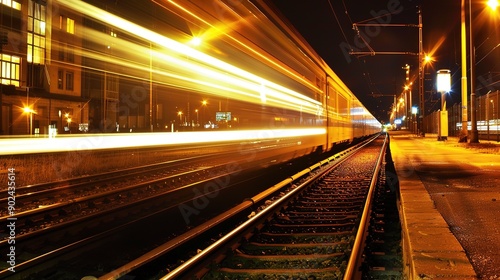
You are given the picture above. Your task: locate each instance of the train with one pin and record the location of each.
(202, 68)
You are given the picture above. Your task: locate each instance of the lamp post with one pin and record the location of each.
(426, 60)
(463, 133)
(29, 111)
(414, 111)
(443, 86)
(474, 136)
(69, 124)
(493, 112)
(204, 104)
(180, 117)
(197, 119)
(474, 133)
(496, 120)
(409, 103)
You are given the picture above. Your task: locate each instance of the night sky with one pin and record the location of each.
(328, 26)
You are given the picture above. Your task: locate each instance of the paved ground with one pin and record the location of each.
(463, 183)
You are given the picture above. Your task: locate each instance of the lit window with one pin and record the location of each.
(70, 26)
(36, 33)
(36, 49)
(12, 4)
(10, 69)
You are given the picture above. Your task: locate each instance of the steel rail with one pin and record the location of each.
(205, 254)
(355, 257)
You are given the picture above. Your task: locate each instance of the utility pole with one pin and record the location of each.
(419, 54)
(421, 96)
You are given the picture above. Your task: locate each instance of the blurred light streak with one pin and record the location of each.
(271, 60)
(223, 71)
(11, 146)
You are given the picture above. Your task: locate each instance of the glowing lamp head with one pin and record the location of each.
(443, 80)
(493, 4)
(196, 41)
(414, 110)
(427, 59)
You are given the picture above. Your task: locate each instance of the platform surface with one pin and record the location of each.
(449, 205)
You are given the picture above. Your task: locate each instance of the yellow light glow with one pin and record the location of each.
(200, 72)
(10, 146)
(196, 41)
(221, 30)
(427, 59)
(493, 4)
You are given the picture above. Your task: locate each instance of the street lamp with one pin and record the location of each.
(427, 60)
(29, 111)
(180, 117)
(463, 45)
(443, 86)
(474, 133)
(493, 4)
(493, 113)
(204, 104)
(414, 111)
(69, 124)
(197, 119)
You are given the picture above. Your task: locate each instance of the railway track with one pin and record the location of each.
(112, 203)
(315, 233)
(317, 230)
(44, 194)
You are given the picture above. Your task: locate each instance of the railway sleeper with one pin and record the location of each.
(314, 221)
(312, 228)
(305, 274)
(298, 238)
(332, 208)
(299, 261)
(260, 249)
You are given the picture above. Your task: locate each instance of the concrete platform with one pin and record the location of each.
(436, 179)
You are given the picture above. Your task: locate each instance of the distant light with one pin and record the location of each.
(427, 59)
(196, 41)
(27, 110)
(414, 110)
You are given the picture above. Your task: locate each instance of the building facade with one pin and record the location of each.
(41, 72)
